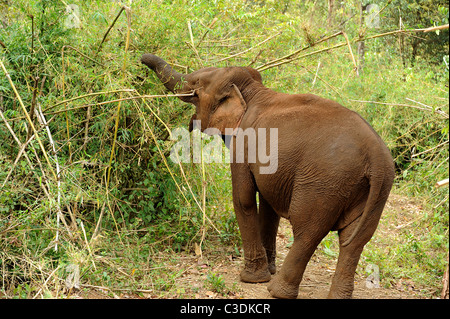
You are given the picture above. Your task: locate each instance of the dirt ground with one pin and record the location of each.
(193, 282)
(315, 284)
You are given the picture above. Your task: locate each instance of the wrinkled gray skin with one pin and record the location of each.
(334, 172)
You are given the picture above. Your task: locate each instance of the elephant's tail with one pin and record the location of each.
(376, 186)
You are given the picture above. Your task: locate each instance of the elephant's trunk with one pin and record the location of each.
(171, 79)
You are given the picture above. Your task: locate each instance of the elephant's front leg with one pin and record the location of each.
(244, 199)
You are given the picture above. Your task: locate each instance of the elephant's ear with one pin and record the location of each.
(254, 74)
(229, 111)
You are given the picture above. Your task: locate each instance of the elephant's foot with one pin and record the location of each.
(271, 255)
(255, 271)
(341, 290)
(278, 288)
(272, 268)
(254, 276)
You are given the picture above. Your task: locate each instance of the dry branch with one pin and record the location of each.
(442, 183)
(82, 54)
(441, 27)
(351, 53)
(245, 51)
(427, 108)
(292, 56)
(211, 25)
(429, 150)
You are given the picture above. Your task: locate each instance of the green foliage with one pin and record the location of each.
(216, 282)
(123, 204)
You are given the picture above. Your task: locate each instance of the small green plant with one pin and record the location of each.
(216, 283)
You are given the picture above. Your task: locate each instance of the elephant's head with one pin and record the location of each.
(220, 95)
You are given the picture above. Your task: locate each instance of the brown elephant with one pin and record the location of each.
(333, 171)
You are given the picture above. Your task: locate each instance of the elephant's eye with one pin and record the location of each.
(223, 99)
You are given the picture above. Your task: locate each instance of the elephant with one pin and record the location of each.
(334, 172)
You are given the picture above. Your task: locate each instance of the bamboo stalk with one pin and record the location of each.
(400, 104)
(111, 101)
(429, 108)
(442, 183)
(116, 126)
(109, 29)
(28, 118)
(192, 44)
(441, 27)
(300, 57)
(40, 116)
(351, 53)
(82, 54)
(87, 245)
(429, 150)
(19, 155)
(315, 76)
(65, 104)
(290, 55)
(22, 147)
(33, 104)
(167, 166)
(190, 33)
(211, 25)
(86, 95)
(245, 51)
(46, 281)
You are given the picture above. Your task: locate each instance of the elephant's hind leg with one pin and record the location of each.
(343, 280)
(268, 223)
(308, 232)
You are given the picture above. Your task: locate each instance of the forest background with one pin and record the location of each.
(88, 196)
